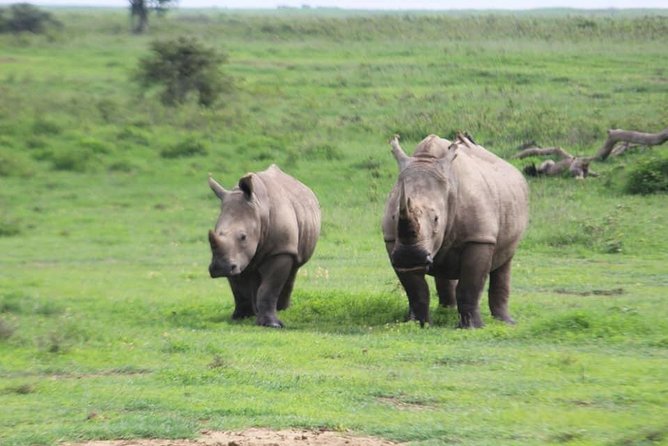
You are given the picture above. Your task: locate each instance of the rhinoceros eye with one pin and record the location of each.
(242, 237)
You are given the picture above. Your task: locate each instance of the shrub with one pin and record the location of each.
(183, 66)
(648, 177)
(24, 17)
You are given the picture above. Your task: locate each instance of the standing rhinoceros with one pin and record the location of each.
(268, 227)
(457, 212)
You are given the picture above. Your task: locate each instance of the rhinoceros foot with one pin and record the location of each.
(470, 320)
(242, 313)
(505, 318)
(270, 322)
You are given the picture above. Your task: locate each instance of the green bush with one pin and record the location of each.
(649, 177)
(181, 67)
(24, 17)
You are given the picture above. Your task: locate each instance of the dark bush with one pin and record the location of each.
(648, 177)
(181, 67)
(24, 17)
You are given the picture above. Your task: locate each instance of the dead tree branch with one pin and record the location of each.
(576, 166)
(618, 142)
(629, 137)
(546, 151)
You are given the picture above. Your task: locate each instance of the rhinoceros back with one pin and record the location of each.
(294, 217)
(492, 202)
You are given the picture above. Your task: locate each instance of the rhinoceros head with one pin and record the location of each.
(419, 231)
(237, 234)
(422, 210)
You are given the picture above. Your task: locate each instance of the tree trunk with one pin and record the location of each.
(629, 136)
(139, 16)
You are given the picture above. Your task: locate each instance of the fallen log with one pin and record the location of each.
(629, 137)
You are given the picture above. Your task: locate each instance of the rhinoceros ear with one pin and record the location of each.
(399, 154)
(217, 188)
(450, 155)
(246, 185)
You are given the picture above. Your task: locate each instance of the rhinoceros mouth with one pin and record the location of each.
(216, 271)
(412, 269)
(411, 258)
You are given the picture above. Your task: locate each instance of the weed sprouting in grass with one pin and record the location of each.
(9, 227)
(7, 329)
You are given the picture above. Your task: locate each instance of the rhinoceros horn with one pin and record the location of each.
(217, 188)
(408, 227)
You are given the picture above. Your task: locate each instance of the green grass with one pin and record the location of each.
(111, 328)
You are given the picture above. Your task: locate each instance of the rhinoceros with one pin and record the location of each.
(267, 229)
(457, 212)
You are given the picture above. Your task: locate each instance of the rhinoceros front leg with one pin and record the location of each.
(475, 262)
(499, 292)
(244, 289)
(447, 291)
(274, 274)
(418, 295)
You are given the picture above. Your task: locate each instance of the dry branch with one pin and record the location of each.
(546, 151)
(577, 166)
(629, 137)
(617, 143)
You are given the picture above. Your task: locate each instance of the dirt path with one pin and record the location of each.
(256, 437)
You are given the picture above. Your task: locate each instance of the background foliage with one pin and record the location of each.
(111, 328)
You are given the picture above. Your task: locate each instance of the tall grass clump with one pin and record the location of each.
(186, 148)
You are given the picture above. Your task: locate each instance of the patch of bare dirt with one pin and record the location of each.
(257, 437)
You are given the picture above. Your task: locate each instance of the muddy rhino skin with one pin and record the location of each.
(457, 212)
(268, 227)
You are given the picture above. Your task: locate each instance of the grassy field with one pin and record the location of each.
(111, 328)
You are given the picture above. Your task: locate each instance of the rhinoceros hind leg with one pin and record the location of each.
(275, 272)
(476, 259)
(499, 292)
(446, 288)
(284, 298)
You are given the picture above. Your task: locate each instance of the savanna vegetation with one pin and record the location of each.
(111, 328)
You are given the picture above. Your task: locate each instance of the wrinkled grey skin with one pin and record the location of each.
(457, 212)
(268, 227)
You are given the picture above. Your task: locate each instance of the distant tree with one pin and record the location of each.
(139, 10)
(24, 17)
(182, 66)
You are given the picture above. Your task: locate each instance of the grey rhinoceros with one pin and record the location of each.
(457, 212)
(268, 227)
